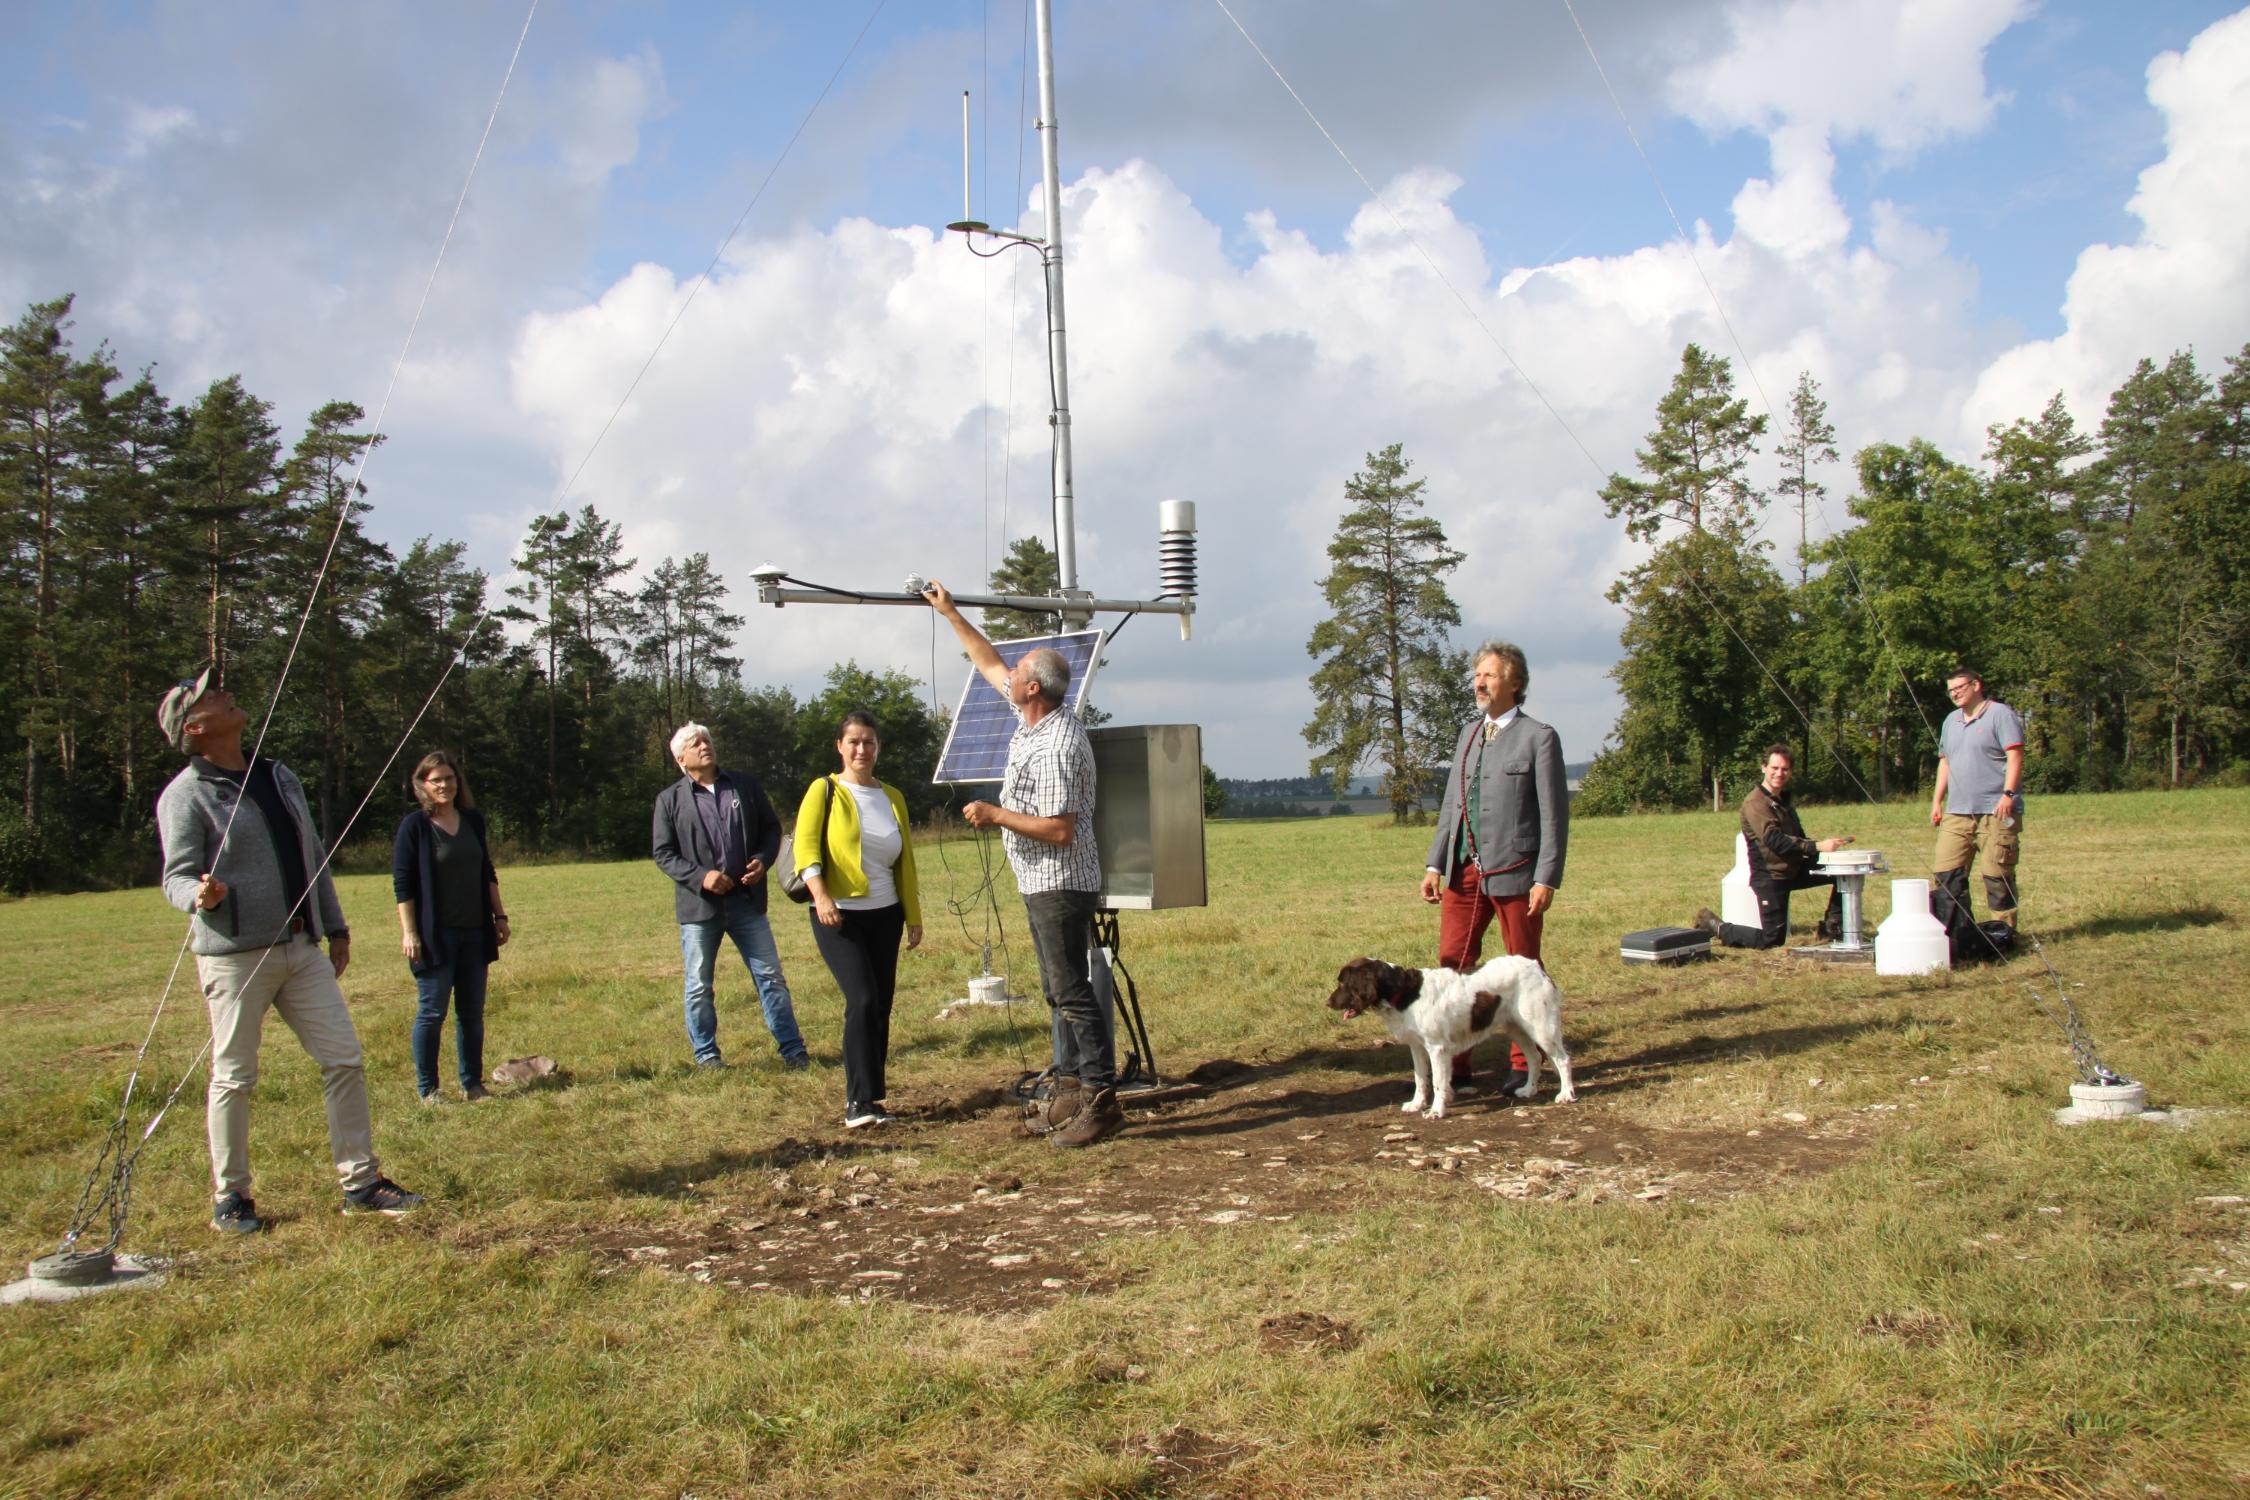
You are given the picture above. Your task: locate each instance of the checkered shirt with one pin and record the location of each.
(1051, 772)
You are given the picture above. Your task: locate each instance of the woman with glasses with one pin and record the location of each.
(450, 917)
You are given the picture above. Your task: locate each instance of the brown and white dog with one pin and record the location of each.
(1440, 1014)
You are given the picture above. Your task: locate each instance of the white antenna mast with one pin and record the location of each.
(1176, 547)
(1058, 344)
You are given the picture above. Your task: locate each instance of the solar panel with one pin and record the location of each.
(976, 747)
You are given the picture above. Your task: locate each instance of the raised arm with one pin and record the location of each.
(981, 655)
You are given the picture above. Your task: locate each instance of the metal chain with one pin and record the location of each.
(2091, 1069)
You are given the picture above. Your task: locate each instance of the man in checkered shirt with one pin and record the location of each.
(1046, 820)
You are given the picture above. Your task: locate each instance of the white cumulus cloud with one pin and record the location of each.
(2184, 281)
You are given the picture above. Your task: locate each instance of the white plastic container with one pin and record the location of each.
(990, 989)
(1911, 941)
(1738, 904)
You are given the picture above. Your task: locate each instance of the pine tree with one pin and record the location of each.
(51, 404)
(544, 580)
(1029, 568)
(325, 541)
(1811, 439)
(227, 500)
(1697, 460)
(1388, 687)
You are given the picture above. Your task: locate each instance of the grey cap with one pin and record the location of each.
(172, 708)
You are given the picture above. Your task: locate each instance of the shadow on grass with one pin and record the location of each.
(1655, 1065)
(679, 1179)
(1719, 1012)
(2154, 921)
(1388, 1067)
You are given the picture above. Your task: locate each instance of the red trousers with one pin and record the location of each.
(1464, 912)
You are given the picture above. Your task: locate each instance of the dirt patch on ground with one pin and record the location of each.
(857, 1218)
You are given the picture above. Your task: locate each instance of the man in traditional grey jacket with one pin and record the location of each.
(241, 857)
(1502, 828)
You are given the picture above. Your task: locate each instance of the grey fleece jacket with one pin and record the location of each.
(192, 814)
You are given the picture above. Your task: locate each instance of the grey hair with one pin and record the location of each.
(684, 733)
(1051, 669)
(1512, 654)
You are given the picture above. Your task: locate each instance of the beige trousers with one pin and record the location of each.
(1963, 839)
(296, 979)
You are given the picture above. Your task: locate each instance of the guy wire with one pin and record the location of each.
(116, 1191)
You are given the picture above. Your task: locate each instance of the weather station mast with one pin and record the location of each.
(1148, 817)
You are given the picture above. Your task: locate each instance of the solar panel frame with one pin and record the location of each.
(976, 743)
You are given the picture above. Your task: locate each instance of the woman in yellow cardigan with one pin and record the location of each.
(864, 896)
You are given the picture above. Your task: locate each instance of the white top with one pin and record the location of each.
(880, 845)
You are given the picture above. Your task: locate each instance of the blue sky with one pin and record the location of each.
(1912, 201)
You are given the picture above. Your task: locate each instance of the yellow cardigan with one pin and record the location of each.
(840, 868)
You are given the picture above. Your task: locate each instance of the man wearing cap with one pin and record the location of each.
(241, 858)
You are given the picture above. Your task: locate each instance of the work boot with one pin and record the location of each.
(1059, 1108)
(1099, 1118)
(1706, 920)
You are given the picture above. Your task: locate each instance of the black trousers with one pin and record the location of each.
(1062, 929)
(863, 955)
(1772, 930)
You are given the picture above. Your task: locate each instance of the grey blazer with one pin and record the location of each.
(682, 845)
(1523, 807)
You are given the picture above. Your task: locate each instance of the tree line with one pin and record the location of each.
(2100, 583)
(143, 536)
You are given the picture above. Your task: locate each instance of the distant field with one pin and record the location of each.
(1805, 1232)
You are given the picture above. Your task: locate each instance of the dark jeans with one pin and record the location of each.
(457, 971)
(863, 955)
(1773, 911)
(1062, 930)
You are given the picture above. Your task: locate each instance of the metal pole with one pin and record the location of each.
(1058, 356)
(776, 595)
(965, 214)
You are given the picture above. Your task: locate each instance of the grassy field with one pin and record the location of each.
(1806, 1231)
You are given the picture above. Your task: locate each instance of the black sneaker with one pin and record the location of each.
(235, 1214)
(382, 1196)
(798, 1062)
(860, 1116)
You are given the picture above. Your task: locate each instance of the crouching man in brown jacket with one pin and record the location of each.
(1781, 861)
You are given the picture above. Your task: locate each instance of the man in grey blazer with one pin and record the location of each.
(716, 835)
(1502, 828)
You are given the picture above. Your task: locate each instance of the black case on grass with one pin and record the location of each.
(1664, 945)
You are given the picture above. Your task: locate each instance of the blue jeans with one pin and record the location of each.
(1062, 933)
(699, 957)
(457, 970)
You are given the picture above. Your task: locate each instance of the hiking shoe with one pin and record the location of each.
(235, 1214)
(799, 1063)
(476, 1093)
(1706, 920)
(712, 1064)
(1099, 1118)
(382, 1196)
(860, 1116)
(430, 1100)
(1059, 1108)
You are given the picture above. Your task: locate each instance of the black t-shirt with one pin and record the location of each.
(281, 827)
(459, 861)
